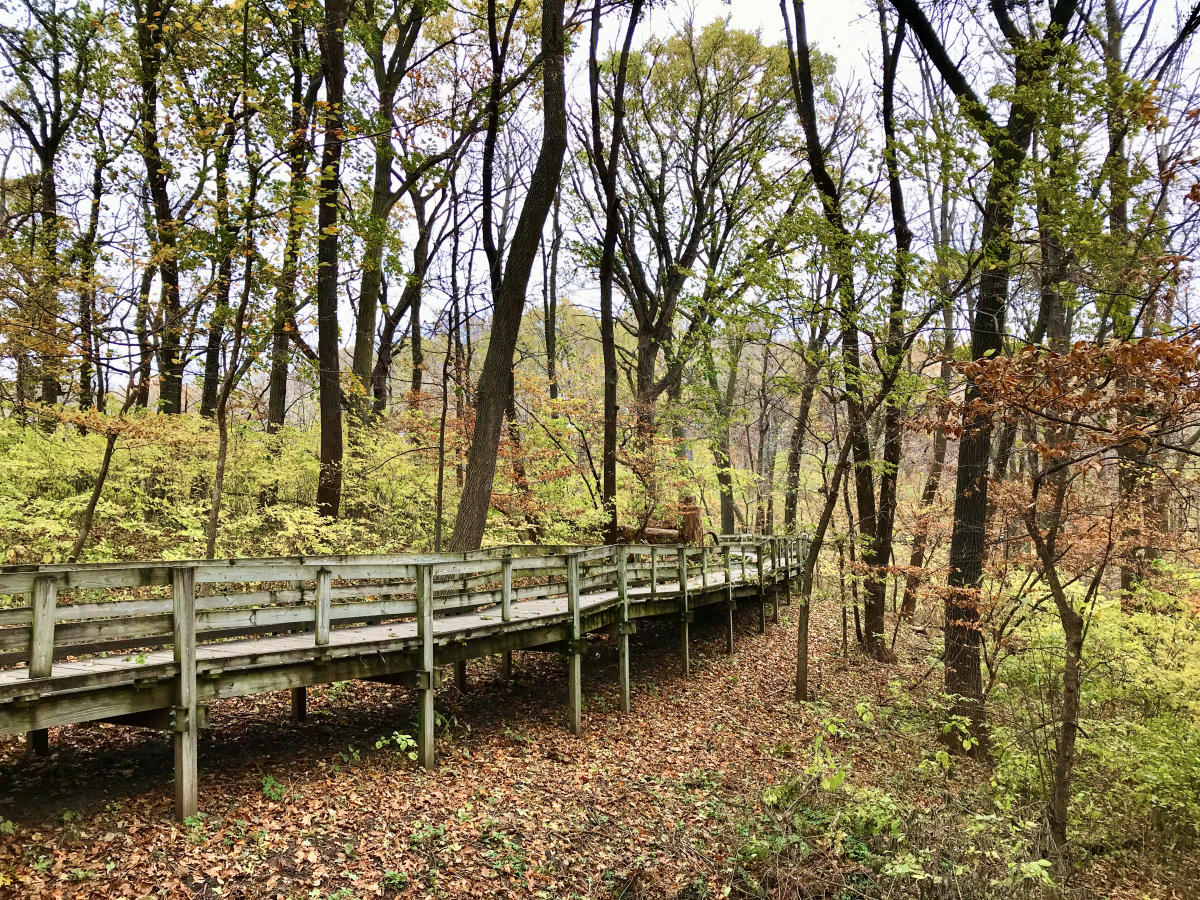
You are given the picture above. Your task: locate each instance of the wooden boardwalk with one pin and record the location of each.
(148, 644)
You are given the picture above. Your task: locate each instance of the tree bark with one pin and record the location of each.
(495, 379)
(1008, 146)
(333, 64)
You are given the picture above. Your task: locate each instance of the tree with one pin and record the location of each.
(331, 38)
(605, 164)
(1033, 58)
(51, 53)
(510, 277)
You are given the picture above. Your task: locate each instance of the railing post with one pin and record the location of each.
(704, 566)
(653, 571)
(44, 600)
(324, 599)
(426, 675)
(574, 651)
(684, 613)
(186, 733)
(625, 629)
(506, 610)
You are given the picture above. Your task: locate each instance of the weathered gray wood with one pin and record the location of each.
(162, 719)
(762, 596)
(426, 688)
(553, 613)
(506, 600)
(623, 639)
(41, 653)
(44, 598)
(730, 603)
(574, 658)
(324, 598)
(685, 655)
(187, 731)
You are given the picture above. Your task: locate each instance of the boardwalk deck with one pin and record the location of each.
(104, 643)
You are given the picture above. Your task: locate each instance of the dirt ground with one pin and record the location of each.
(651, 804)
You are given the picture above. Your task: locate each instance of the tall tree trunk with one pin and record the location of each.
(417, 381)
(933, 479)
(607, 167)
(550, 301)
(145, 344)
(894, 405)
(225, 238)
(791, 491)
(151, 17)
(842, 263)
(297, 150)
(333, 64)
(372, 266)
(90, 376)
(49, 314)
(495, 380)
(1008, 146)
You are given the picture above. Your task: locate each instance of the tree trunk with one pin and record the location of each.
(225, 238)
(171, 351)
(297, 150)
(1008, 145)
(333, 64)
(606, 164)
(495, 380)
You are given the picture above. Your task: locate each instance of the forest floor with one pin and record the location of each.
(665, 802)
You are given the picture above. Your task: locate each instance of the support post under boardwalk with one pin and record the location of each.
(574, 653)
(775, 581)
(730, 603)
(300, 694)
(762, 593)
(299, 703)
(506, 611)
(185, 737)
(426, 682)
(460, 674)
(41, 648)
(788, 560)
(623, 639)
(684, 613)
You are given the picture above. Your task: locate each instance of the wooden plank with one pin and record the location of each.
(186, 733)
